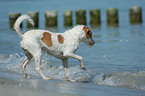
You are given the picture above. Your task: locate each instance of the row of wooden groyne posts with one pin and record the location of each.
(135, 16)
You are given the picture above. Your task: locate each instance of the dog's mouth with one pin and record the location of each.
(90, 42)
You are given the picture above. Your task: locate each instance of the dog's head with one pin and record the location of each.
(88, 36)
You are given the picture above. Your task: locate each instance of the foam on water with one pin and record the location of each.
(120, 79)
(134, 80)
(12, 63)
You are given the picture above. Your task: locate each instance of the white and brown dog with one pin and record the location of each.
(59, 45)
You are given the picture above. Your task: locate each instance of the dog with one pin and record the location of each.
(60, 45)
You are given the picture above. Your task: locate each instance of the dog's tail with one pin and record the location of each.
(19, 21)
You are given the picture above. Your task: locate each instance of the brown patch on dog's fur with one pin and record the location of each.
(47, 39)
(60, 39)
(88, 32)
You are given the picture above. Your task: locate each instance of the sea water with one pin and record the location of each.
(117, 59)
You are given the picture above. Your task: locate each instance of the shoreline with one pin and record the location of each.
(13, 84)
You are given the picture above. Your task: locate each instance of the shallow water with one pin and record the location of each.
(52, 68)
(117, 59)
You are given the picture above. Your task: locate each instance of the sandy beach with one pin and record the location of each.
(13, 84)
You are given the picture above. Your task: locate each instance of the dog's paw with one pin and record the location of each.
(46, 78)
(68, 79)
(84, 68)
(26, 76)
(71, 80)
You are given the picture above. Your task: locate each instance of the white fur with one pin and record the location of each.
(32, 45)
(19, 21)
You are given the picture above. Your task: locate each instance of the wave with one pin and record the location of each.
(120, 79)
(134, 80)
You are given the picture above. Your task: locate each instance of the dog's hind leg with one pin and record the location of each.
(28, 57)
(37, 57)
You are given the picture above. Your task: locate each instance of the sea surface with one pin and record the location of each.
(115, 64)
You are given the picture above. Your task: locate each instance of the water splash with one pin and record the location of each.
(134, 80)
(120, 79)
(13, 61)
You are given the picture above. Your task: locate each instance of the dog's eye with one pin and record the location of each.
(89, 33)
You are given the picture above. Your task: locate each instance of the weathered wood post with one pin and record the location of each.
(35, 17)
(81, 17)
(68, 18)
(50, 18)
(112, 17)
(12, 18)
(95, 17)
(135, 14)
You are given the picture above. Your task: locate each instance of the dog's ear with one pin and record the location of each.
(87, 31)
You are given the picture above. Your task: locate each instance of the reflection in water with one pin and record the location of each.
(136, 30)
(113, 34)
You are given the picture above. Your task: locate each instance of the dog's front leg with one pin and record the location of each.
(65, 65)
(76, 57)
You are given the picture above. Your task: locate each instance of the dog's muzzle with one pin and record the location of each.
(91, 42)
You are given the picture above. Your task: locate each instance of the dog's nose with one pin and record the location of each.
(92, 42)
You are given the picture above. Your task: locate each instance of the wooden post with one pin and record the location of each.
(12, 18)
(135, 14)
(34, 16)
(112, 17)
(95, 17)
(81, 17)
(50, 18)
(67, 18)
